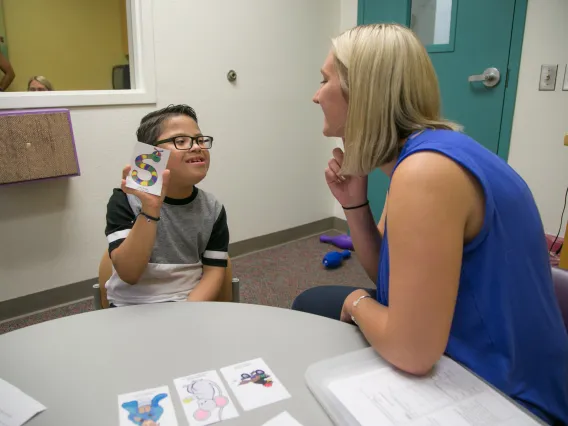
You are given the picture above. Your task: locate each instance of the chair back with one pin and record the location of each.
(560, 279)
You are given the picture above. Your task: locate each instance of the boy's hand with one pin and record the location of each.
(151, 204)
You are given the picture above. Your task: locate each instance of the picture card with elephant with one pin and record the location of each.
(147, 165)
(205, 399)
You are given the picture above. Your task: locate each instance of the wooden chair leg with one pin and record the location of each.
(105, 271)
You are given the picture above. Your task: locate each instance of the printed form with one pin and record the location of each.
(449, 396)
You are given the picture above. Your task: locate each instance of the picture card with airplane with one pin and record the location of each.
(254, 384)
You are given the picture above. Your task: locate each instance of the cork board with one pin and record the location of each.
(36, 145)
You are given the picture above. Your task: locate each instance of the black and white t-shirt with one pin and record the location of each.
(192, 232)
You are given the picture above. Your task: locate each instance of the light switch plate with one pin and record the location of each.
(565, 86)
(548, 77)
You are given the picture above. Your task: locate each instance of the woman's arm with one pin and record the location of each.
(366, 237)
(8, 71)
(430, 200)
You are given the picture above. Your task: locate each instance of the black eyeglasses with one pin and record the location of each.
(186, 142)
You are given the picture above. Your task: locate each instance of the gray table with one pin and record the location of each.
(77, 366)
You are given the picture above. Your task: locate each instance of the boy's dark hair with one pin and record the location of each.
(151, 124)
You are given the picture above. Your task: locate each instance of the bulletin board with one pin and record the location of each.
(3, 41)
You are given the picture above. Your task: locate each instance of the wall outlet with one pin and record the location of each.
(565, 85)
(548, 77)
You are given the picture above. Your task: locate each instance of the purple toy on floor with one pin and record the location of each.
(341, 241)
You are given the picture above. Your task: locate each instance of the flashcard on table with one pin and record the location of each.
(254, 384)
(283, 419)
(150, 407)
(148, 163)
(205, 399)
(16, 408)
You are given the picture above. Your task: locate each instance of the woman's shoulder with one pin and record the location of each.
(426, 167)
(438, 136)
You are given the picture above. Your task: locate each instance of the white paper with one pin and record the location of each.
(205, 399)
(16, 408)
(149, 407)
(254, 384)
(283, 419)
(148, 163)
(449, 396)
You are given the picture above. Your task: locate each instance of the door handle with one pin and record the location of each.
(490, 77)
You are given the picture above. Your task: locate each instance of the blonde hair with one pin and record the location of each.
(41, 80)
(392, 88)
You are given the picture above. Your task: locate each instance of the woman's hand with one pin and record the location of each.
(350, 191)
(151, 204)
(347, 310)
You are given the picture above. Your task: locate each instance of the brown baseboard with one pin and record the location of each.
(46, 299)
(263, 242)
(71, 292)
(340, 225)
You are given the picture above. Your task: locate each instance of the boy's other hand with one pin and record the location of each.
(151, 204)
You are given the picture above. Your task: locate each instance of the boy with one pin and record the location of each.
(174, 247)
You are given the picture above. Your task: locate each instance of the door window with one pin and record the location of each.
(433, 21)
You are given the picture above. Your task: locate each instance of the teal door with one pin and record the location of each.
(464, 38)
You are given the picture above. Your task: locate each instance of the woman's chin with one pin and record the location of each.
(330, 133)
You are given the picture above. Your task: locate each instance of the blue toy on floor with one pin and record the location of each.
(334, 259)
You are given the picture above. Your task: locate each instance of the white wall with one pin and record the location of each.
(348, 20)
(541, 118)
(269, 154)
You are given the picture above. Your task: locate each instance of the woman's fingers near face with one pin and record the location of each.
(338, 155)
(330, 176)
(334, 166)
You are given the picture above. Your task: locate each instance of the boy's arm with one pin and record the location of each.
(214, 262)
(130, 238)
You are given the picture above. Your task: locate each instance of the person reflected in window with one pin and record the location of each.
(39, 83)
(8, 71)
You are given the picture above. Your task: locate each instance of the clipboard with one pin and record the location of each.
(321, 374)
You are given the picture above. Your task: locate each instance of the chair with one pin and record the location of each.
(560, 279)
(229, 290)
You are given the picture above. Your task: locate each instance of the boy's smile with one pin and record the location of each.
(196, 160)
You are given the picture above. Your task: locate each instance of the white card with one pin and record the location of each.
(148, 163)
(205, 399)
(283, 419)
(149, 407)
(254, 384)
(16, 408)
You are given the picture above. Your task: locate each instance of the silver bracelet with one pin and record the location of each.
(355, 303)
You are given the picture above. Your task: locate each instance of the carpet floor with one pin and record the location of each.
(272, 277)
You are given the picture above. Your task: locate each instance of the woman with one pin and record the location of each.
(39, 83)
(459, 256)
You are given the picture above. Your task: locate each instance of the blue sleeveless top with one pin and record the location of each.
(507, 325)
